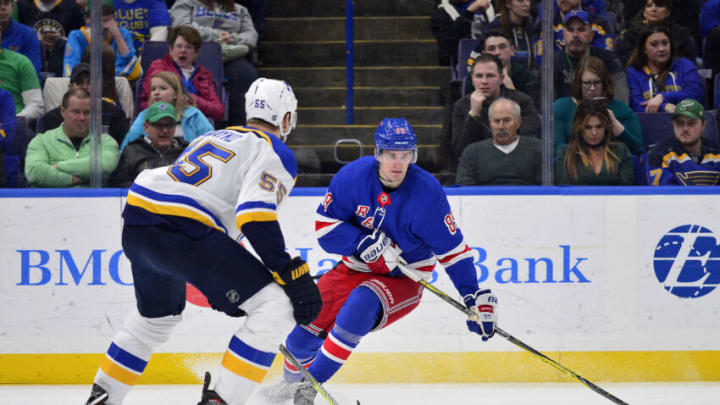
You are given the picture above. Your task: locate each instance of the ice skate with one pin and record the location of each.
(98, 396)
(305, 393)
(210, 397)
(279, 393)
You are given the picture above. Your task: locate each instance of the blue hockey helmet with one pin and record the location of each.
(395, 134)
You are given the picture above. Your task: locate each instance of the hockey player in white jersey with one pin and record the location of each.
(181, 225)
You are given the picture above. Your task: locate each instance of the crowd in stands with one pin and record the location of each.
(149, 116)
(620, 67)
(617, 65)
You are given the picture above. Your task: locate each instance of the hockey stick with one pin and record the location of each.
(415, 277)
(306, 374)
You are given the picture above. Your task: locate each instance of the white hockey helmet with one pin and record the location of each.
(269, 100)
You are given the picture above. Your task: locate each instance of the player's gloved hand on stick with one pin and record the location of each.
(483, 304)
(378, 252)
(301, 289)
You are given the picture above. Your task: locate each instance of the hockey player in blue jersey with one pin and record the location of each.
(376, 210)
(181, 226)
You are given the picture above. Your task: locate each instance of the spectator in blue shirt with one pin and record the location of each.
(656, 79)
(19, 37)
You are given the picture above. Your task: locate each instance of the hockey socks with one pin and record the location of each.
(356, 319)
(122, 366)
(243, 368)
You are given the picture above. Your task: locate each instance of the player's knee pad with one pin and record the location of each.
(360, 312)
(151, 331)
(269, 318)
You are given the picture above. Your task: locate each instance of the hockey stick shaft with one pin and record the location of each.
(415, 277)
(306, 374)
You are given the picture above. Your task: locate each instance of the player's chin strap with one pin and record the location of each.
(416, 277)
(306, 374)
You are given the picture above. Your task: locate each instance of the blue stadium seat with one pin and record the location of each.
(640, 169)
(459, 68)
(23, 135)
(658, 126)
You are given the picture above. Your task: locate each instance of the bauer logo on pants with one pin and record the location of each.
(687, 261)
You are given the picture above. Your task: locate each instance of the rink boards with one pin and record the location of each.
(619, 284)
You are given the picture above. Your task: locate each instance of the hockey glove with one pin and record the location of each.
(379, 253)
(483, 304)
(301, 289)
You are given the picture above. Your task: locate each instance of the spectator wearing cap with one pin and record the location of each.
(127, 63)
(52, 20)
(18, 76)
(686, 158)
(657, 79)
(147, 20)
(185, 42)
(578, 38)
(112, 115)
(167, 87)
(159, 146)
(19, 37)
(60, 157)
(516, 75)
(601, 38)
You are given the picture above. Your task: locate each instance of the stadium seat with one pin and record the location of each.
(658, 126)
(23, 135)
(465, 47)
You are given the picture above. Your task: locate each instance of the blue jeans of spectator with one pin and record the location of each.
(240, 73)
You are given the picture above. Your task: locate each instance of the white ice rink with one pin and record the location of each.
(404, 394)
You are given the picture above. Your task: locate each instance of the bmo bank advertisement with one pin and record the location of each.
(573, 273)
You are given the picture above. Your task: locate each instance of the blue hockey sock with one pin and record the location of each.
(355, 320)
(303, 345)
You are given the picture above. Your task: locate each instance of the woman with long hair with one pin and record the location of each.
(656, 79)
(592, 81)
(516, 23)
(166, 86)
(656, 12)
(592, 158)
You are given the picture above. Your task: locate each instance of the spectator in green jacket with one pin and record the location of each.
(61, 157)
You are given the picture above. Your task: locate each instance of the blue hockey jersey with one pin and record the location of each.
(23, 39)
(683, 82)
(670, 164)
(418, 219)
(138, 16)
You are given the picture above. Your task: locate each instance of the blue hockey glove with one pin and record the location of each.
(299, 286)
(379, 252)
(483, 304)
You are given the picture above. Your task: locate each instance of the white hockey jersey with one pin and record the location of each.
(224, 179)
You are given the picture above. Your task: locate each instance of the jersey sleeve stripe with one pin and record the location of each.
(251, 205)
(461, 252)
(167, 204)
(255, 216)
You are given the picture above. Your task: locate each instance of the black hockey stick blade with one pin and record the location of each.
(415, 277)
(306, 374)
